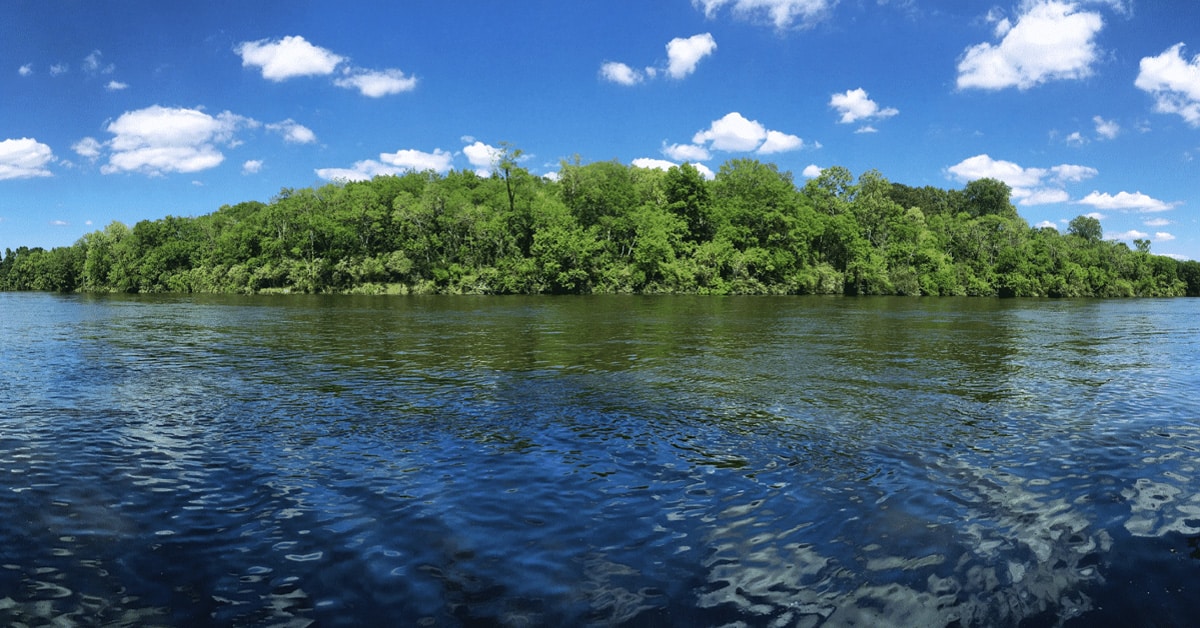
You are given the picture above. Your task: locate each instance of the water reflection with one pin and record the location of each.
(595, 461)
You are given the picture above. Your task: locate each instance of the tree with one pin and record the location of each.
(989, 197)
(1086, 227)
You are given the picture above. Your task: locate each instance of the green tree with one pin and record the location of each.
(1086, 227)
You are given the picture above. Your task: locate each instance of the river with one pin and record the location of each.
(627, 461)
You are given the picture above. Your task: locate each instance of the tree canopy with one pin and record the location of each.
(605, 227)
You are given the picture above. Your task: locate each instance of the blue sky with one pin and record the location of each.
(129, 110)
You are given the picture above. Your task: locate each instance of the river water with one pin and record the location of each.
(633, 461)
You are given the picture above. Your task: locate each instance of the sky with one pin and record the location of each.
(127, 110)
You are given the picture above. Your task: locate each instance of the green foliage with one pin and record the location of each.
(1086, 227)
(606, 227)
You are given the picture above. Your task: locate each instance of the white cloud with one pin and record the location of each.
(617, 72)
(647, 162)
(1174, 82)
(288, 57)
(157, 140)
(396, 163)
(1124, 201)
(1044, 196)
(364, 170)
(662, 164)
(686, 152)
(88, 148)
(1052, 40)
(732, 133)
(252, 166)
(24, 158)
(116, 86)
(1157, 222)
(812, 171)
(25, 70)
(1162, 236)
(1096, 215)
(866, 129)
(377, 83)
(1030, 186)
(1132, 234)
(483, 157)
(1107, 129)
(59, 68)
(293, 132)
(93, 65)
(1076, 139)
(781, 13)
(736, 133)
(854, 105)
(1046, 224)
(59, 223)
(1072, 173)
(984, 167)
(778, 142)
(684, 54)
(439, 160)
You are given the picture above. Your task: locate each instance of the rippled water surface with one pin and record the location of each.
(598, 461)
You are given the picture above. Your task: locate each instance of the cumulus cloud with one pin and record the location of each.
(1046, 224)
(293, 132)
(59, 68)
(1107, 129)
(292, 56)
(1132, 234)
(24, 158)
(1072, 173)
(812, 171)
(1030, 186)
(735, 133)
(662, 164)
(778, 142)
(781, 13)
(116, 86)
(1157, 222)
(1174, 82)
(648, 162)
(158, 140)
(483, 157)
(686, 152)
(617, 72)
(855, 105)
(88, 148)
(252, 166)
(25, 70)
(683, 55)
(376, 83)
(1052, 40)
(93, 64)
(419, 161)
(1124, 201)
(396, 163)
(1162, 236)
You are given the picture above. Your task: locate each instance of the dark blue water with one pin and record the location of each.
(598, 461)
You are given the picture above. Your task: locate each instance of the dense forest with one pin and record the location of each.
(609, 228)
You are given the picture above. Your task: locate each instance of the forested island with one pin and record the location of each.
(605, 227)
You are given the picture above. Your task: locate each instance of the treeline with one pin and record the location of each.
(608, 228)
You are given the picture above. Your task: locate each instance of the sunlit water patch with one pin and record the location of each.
(598, 461)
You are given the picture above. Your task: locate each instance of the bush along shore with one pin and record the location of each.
(605, 227)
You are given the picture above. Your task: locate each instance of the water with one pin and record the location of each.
(598, 461)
